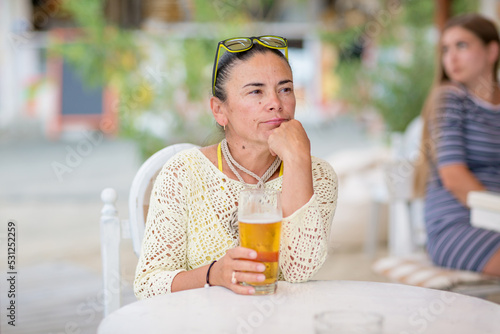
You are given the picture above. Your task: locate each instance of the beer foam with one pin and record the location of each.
(261, 219)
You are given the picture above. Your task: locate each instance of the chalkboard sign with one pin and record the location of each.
(76, 97)
(78, 105)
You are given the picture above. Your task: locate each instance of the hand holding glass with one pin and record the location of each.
(259, 218)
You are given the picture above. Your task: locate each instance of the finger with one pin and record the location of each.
(241, 253)
(242, 265)
(240, 276)
(242, 289)
(274, 143)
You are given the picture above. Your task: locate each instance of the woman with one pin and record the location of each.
(461, 142)
(191, 237)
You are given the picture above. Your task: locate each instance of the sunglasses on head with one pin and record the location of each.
(240, 44)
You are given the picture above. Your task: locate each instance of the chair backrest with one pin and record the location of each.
(400, 172)
(412, 138)
(140, 190)
(406, 220)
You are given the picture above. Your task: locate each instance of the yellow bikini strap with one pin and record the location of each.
(219, 157)
(219, 160)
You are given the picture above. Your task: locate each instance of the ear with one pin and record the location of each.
(493, 52)
(218, 110)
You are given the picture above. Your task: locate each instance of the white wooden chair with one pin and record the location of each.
(406, 211)
(406, 232)
(113, 228)
(408, 262)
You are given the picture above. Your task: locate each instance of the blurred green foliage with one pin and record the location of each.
(397, 83)
(464, 6)
(162, 100)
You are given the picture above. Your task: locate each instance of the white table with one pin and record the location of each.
(406, 309)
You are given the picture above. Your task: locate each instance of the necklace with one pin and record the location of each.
(232, 163)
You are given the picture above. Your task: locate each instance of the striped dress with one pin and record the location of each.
(466, 131)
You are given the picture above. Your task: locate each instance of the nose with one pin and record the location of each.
(274, 102)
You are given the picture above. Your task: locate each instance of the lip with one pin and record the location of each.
(275, 121)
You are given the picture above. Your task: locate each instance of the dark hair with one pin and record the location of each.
(228, 60)
(487, 32)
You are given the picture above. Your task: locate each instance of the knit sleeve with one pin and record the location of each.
(163, 252)
(305, 234)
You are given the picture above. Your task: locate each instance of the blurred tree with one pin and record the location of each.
(162, 77)
(397, 79)
(162, 100)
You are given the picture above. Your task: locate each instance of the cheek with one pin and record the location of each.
(290, 102)
(476, 63)
(445, 61)
(292, 105)
(472, 59)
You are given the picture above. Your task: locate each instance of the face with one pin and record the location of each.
(260, 97)
(465, 58)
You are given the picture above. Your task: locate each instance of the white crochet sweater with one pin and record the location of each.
(189, 223)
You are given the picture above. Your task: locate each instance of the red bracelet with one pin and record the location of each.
(208, 273)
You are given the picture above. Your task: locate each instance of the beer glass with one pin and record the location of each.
(259, 219)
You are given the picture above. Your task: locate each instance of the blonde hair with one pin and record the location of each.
(486, 31)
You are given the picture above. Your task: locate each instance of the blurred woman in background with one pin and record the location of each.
(461, 145)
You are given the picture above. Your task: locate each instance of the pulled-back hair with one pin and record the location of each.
(229, 59)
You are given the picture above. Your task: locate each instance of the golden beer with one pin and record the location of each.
(263, 236)
(259, 219)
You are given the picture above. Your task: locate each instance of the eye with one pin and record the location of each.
(255, 91)
(286, 89)
(444, 49)
(462, 45)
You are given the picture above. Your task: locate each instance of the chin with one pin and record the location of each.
(464, 80)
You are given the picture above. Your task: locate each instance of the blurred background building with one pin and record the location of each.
(143, 66)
